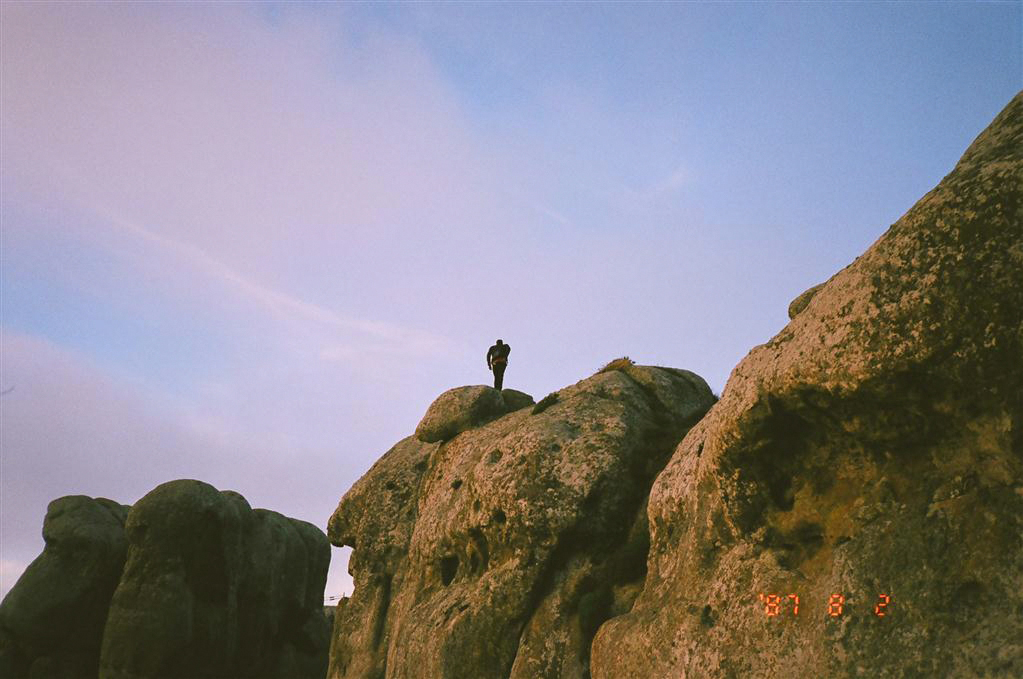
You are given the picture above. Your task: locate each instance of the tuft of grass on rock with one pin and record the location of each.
(545, 403)
(617, 364)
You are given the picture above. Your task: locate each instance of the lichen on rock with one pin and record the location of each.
(803, 299)
(867, 460)
(871, 449)
(500, 551)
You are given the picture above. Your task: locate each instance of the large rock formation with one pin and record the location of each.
(853, 506)
(868, 459)
(499, 552)
(190, 582)
(51, 622)
(213, 588)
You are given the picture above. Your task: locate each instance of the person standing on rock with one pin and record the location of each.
(497, 361)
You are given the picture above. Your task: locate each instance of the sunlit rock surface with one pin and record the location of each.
(499, 552)
(873, 451)
(462, 408)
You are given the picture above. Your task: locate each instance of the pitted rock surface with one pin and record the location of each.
(873, 447)
(499, 552)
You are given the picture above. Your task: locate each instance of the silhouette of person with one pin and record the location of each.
(497, 361)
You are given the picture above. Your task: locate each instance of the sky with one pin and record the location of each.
(249, 243)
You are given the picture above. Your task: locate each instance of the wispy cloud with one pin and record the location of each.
(246, 185)
(672, 182)
(376, 337)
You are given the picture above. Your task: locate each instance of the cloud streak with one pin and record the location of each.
(377, 337)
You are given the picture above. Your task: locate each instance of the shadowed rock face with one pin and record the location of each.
(873, 447)
(190, 582)
(212, 588)
(499, 552)
(51, 622)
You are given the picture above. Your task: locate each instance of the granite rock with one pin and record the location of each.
(190, 582)
(463, 408)
(870, 457)
(51, 622)
(213, 588)
(500, 551)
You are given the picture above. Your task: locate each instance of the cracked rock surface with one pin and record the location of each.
(499, 552)
(872, 449)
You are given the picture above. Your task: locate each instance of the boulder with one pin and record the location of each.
(213, 588)
(190, 582)
(865, 464)
(499, 552)
(175, 610)
(463, 408)
(375, 518)
(515, 400)
(51, 622)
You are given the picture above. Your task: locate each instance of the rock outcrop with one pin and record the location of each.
(853, 506)
(867, 460)
(462, 408)
(51, 622)
(499, 552)
(189, 582)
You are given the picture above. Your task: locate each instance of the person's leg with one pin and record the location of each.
(499, 375)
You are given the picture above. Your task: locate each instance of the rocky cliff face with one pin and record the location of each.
(499, 552)
(853, 506)
(868, 459)
(189, 582)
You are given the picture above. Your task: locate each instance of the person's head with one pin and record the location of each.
(499, 342)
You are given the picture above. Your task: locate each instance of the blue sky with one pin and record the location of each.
(249, 243)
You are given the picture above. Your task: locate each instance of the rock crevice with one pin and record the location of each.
(852, 505)
(517, 524)
(867, 459)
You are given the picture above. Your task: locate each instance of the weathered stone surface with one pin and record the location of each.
(51, 622)
(190, 582)
(462, 408)
(499, 552)
(212, 588)
(376, 518)
(874, 446)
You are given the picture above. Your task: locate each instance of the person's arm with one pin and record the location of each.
(489, 352)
